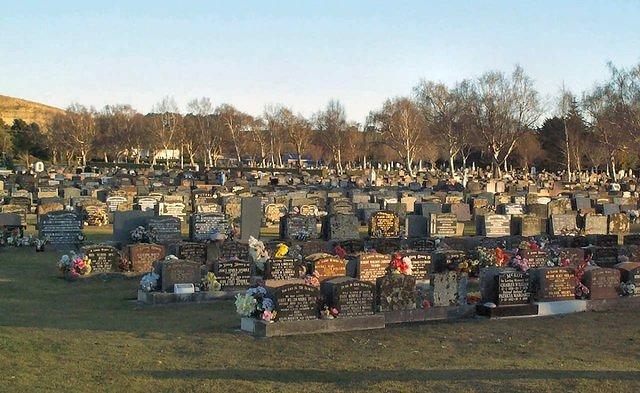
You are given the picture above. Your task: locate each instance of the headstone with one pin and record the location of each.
(535, 258)
(443, 224)
(595, 224)
(179, 272)
(495, 225)
(416, 226)
(396, 292)
(619, 224)
(384, 224)
(420, 264)
(63, 229)
(368, 266)
(251, 218)
(352, 298)
(563, 224)
(104, 258)
(203, 226)
(284, 268)
(192, 251)
(143, 255)
(328, 266)
(125, 222)
(165, 229)
(554, 283)
(448, 289)
(295, 302)
(233, 273)
(512, 288)
(232, 249)
(298, 227)
(603, 283)
(341, 227)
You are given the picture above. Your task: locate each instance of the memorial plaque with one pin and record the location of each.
(165, 230)
(595, 225)
(619, 224)
(535, 258)
(529, 225)
(273, 212)
(231, 249)
(143, 255)
(204, 226)
(603, 283)
(443, 224)
(420, 264)
(180, 272)
(233, 273)
(384, 224)
(16, 209)
(147, 204)
(563, 224)
(114, 201)
(495, 225)
(554, 283)
(298, 227)
(396, 292)
(192, 251)
(104, 258)
(369, 266)
(283, 268)
(632, 239)
(176, 209)
(295, 302)
(328, 266)
(605, 256)
(63, 229)
(352, 298)
(513, 288)
(448, 289)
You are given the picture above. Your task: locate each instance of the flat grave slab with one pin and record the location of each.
(290, 328)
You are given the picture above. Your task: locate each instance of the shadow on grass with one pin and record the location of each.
(374, 376)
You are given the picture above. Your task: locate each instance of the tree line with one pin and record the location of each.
(496, 119)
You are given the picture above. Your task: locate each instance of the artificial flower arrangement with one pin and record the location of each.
(281, 251)
(329, 313)
(486, 257)
(150, 282)
(627, 289)
(400, 265)
(139, 235)
(581, 290)
(254, 303)
(210, 283)
(340, 251)
(519, 263)
(258, 253)
(311, 278)
(74, 265)
(556, 260)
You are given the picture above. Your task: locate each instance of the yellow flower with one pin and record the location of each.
(282, 250)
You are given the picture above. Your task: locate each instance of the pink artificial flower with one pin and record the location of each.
(267, 315)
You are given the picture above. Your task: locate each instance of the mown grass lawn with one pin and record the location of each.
(92, 336)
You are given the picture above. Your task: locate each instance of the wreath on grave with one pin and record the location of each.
(72, 266)
(254, 303)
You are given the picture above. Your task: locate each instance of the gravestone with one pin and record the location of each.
(448, 289)
(192, 251)
(495, 225)
(143, 255)
(204, 226)
(295, 302)
(104, 258)
(172, 209)
(273, 212)
(554, 283)
(341, 227)
(125, 222)
(416, 226)
(630, 273)
(165, 229)
(443, 225)
(595, 224)
(528, 225)
(179, 272)
(603, 283)
(352, 298)
(231, 249)
(605, 256)
(114, 201)
(284, 268)
(327, 266)
(619, 224)
(396, 292)
(384, 224)
(512, 288)
(574, 255)
(63, 229)
(251, 218)
(563, 224)
(368, 266)
(535, 258)
(420, 264)
(298, 227)
(233, 273)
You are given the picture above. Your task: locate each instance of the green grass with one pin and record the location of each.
(91, 336)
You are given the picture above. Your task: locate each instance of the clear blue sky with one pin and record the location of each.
(300, 53)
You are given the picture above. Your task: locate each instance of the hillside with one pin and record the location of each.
(29, 111)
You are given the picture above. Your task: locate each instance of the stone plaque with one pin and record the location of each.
(231, 249)
(298, 227)
(554, 283)
(495, 225)
(295, 302)
(104, 258)
(233, 273)
(369, 266)
(143, 255)
(448, 289)
(603, 283)
(283, 268)
(513, 288)
(328, 266)
(420, 264)
(192, 251)
(384, 224)
(63, 229)
(350, 297)
(165, 230)
(204, 226)
(443, 224)
(535, 258)
(180, 272)
(563, 224)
